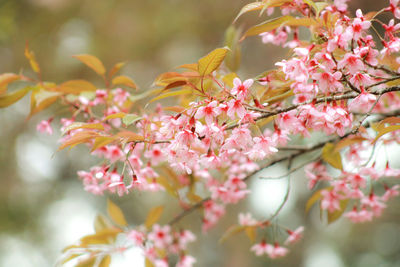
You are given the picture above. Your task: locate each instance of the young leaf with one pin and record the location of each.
(348, 142)
(75, 87)
(115, 213)
(251, 233)
(124, 80)
(128, 119)
(79, 138)
(148, 263)
(249, 7)
(129, 136)
(153, 216)
(105, 236)
(233, 230)
(5, 79)
(192, 66)
(314, 198)
(277, 22)
(169, 94)
(82, 125)
(32, 60)
(92, 62)
(118, 115)
(105, 262)
(116, 68)
(383, 131)
(212, 61)
(101, 141)
(331, 156)
(333, 216)
(101, 223)
(10, 98)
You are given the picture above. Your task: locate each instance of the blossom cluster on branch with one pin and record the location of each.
(222, 130)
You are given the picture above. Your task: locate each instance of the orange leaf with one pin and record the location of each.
(92, 62)
(5, 79)
(129, 136)
(75, 87)
(82, 125)
(115, 213)
(79, 138)
(116, 68)
(124, 80)
(32, 60)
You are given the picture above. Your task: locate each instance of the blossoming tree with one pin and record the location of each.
(222, 129)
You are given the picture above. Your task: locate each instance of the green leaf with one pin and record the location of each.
(10, 98)
(331, 156)
(212, 61)
(277, 22)
(115, 213)
(92, 62)
(128, 119)
(153, 216)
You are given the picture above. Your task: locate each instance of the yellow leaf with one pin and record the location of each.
(79, 138)
(233, 230)
(383, 131)
(105, 236)
(101, 223)
(116, 214)
(75, 87)
(5, 79)
(314, 198)
(89, 262)
(177, 109)
(251, 233)
(105, 262)
(389, 120)
(333, 216)
(118, 115)
(116, 68)
(249, 7)
(169, 94)
(347, 142)
(192, 66)
(32, 60)
(124, 80)
(82, 125)
(153, 216)
(129, 136)
(92, 62)
(277, 22)
(331, 156)
(212, 61)
(10, 98)
(148, 263)
(39, 106)
(101, 141)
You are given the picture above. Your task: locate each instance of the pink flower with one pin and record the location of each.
(241, 89)
(295, 235)
(160, 236)
(260, 248)
(45, 127)
(330, 200)
(363, 102)
(352, 62)
(246, 219)
(209, 112)
(235, 106)
(276, 251)
(186, 261)
(359, 216)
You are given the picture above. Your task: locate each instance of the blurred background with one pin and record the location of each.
(43, 206)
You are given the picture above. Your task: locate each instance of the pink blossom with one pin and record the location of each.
(359, 216)
(363, 102)
(295, 235)
(330, 200)
(246, 219)
(240, 89)
(45, 127)
(160, 236)
(209, 112)
(235, 106)
(186, 261)
(352, 63)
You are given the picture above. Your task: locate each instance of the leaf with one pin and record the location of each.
(101, 223)
(92, 62)
(192, 66)
(42, 105)
(116, 68)
(5, 79)
(89, 262)
(115, 213)
(153, 216)
(124, 80)
(148, 263)
(314, 198)
(161, 180)
(177, 109)
(32, 60)
(10, 98)
(212, 61)
(105, 262)
(175, 85)
(331, 156)
(277, 22)
(333, 216)
(383, 131)
(389, 120)
(129, 136)
(118, 115)
(128, 119)
(76, 87)
(249, 7)
(233, 57)
(233, 230)
(169, 94)
(101, 141)
(105, 236)
(251, 233)
(348, 142)
(79, 138)
(82, 125)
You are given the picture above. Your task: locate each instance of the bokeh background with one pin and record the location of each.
(43, 206)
